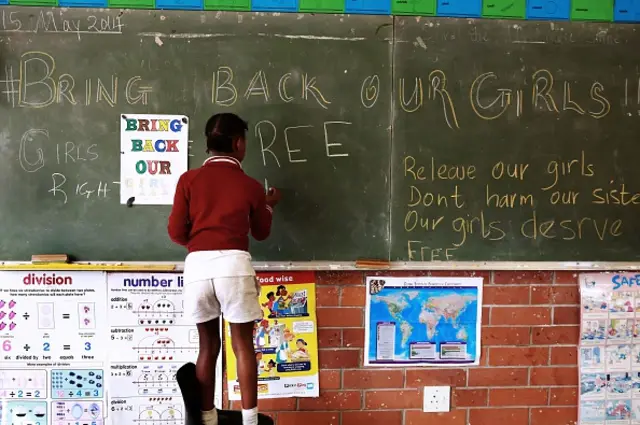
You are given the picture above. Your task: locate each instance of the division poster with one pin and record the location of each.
(285, 338)
(53, 328)
(423, 321)
(609, 358)
(154, 154)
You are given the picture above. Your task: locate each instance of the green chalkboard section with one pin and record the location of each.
(401, 138)
(515, 141)
(315, 133)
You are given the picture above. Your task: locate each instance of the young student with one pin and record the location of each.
(215, 208)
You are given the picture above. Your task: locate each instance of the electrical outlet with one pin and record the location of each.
(437, 399)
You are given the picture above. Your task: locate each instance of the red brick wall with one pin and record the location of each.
(528, 373)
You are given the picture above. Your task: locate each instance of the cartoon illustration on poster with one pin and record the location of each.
(285, 338)
(422, 321)
(591, 357)
(592, 411)
(609, 348)
(593, 331)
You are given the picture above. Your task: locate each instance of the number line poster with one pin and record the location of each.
(154, 154)
(423, 321)
(285, 338)
(93, 348)
(609, 364)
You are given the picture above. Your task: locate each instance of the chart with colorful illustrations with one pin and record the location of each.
(432, 321)
(609, 348)
(285, 338)
(76, 343)
(150, 339)
(53, 328)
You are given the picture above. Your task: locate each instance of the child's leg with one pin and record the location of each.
(240, 308)
(202, 306)
(242, 344)
(209, 336)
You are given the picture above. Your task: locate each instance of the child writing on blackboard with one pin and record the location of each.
(215, 208)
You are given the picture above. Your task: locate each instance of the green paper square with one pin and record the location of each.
(592, 10)
(132, 4)
(321, 6)
(34, 2)
(504, 9)
(413, 7)
(242, 5)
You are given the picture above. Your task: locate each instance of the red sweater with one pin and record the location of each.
(216, 206)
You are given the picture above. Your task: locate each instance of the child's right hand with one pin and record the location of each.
(273, 196)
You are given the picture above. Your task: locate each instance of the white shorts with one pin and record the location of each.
(235, 298)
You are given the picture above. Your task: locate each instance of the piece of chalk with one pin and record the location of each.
(372, 263)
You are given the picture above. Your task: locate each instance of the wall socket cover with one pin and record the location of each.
(437, 399)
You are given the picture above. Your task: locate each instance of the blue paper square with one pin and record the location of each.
(274, 5)
(464, 8)
(180, 4)
(548, 9)
(626, 11)
(4, 2)
(82, 3)
(368, 7)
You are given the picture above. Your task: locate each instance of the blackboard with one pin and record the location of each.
(362, 111)
(69, 75)
(516, 125)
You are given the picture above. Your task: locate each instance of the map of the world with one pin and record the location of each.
(432, 322)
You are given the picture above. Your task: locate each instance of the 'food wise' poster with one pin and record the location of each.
(285, 338)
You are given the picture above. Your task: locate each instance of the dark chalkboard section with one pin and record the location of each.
(315, 132)
(401, 138)
(551, 109)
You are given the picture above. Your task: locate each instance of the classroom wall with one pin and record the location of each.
(528, 373)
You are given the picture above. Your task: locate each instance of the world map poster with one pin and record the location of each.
(423, 321)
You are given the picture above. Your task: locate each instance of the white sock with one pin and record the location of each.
(250, 416)
(210, 417)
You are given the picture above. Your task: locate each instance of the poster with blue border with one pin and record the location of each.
(423, 321)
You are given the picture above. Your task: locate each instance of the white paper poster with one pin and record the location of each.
(154, 154)
(53, 328)
(91, 348)
(150, 340)
(609, 348)
(423, 321)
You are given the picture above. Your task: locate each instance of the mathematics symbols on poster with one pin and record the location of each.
(285, 338)
(53, 347)
(609, 348)
(423, 321)
(93, 348)
(154, 154)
